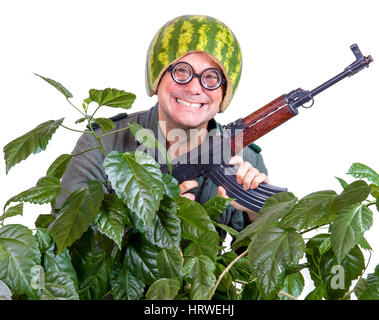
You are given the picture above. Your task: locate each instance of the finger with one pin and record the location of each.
(242, 170)
(189, 196)
(188, 185)
(258, 179)
(222, 192)
(236, 160)
(250, 175)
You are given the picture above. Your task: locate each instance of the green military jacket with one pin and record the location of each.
(89, 165)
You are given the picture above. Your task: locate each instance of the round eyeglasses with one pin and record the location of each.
(210, 79)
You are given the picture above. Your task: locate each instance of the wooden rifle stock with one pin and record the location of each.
(261, 122)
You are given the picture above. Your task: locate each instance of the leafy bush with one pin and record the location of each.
(146, 242)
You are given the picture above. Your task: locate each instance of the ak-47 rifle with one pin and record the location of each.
(237, 135)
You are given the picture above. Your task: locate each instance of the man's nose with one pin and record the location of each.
(194, 86)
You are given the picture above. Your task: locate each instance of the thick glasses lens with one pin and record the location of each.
(182, 72)
(211, 78)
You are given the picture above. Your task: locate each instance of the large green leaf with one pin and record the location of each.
(274, 209)
(293, 284)
(13, 211)
(206, 244)
(201, 272)
(195, 219)
(137, 180)
(356, 191)
(166, 227)
(216, 206)
(5, 292)
(112, 98)
(60, 262)
(59, 166)
(141, 258)
(105, 124)
(58, 286)
(19, 253)
(124, 285)
(361, 171)
(96, 270)
(33, 141)
(370, 290)
(112, 218)
(321, 267)
(57, 86)
(163, 289)
(311, 211)
(76, 214)
(270, 252)
(45, 191)
(348, 228)
(169, 262)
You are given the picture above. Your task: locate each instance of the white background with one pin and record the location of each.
(285, 45)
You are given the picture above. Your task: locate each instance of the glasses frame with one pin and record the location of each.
(171, 68)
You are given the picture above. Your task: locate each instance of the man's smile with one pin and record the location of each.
(189, 103)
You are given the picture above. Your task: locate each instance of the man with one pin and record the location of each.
(193, 65)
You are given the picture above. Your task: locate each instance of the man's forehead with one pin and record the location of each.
(200, 60)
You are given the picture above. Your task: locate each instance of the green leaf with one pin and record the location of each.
(228, 229)
(46, 190)
(43, 238)
(13, 211)
(43, 220)
(356, 191)
(361, 171)
(112, 218)
(76, 214)
(311, 211)
(33, 141)
(96, 271)
(137, 180)
(19, 253)
(274, 209)
(270, 252)
(348, 228)
(5, 292)
(370, 291)
(293, 284)
(112, 98)
(374, 189)
(57, 86)
(169, 263)
(124, 285)
(226, 281)
(141, 258)
(147, 138)
(216, 206)
(58, 286)
(195, 219)
(322, 268)
(163, 289)
(203, 278)
(317, 293)
(59, 166)
(206, 244)
(105, 124)
(171, 186)
(59, 262)
(343, 183)
(166, 227)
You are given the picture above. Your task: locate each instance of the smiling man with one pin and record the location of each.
(193, 65)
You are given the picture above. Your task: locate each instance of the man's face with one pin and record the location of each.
(188, 106)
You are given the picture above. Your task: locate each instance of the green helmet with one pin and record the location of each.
(194, 33)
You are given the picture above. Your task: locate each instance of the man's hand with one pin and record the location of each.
(249, 177)
(187, 185)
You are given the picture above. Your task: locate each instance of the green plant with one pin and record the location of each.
(153, 244)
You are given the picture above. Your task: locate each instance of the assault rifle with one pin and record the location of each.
(212, 156)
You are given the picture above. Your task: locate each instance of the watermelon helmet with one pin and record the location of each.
(194, 33)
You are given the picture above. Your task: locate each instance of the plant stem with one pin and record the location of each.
(78, 154)
(75, 107)
(225, 271)
(73, 129)
(287, 295)
(316, 227)
(108, 133)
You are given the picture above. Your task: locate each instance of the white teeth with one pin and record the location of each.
(189, 104)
